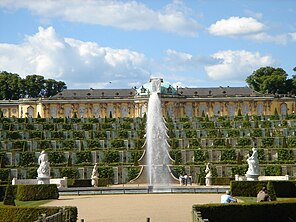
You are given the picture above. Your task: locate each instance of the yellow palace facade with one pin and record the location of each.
(176, 102)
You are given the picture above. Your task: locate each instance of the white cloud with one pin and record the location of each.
(76, 62)
(293, 36)
(235, 26)
(236, 65)
(130, 15)
(264, 37)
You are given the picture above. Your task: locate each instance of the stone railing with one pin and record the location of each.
(60, 182)
(264, 178)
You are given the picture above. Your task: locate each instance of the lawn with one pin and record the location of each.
(29, 203)
(253, 199)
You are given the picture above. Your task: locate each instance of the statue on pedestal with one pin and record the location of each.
(94, 176)
(209, 176)
(43, 169)
(253, 170)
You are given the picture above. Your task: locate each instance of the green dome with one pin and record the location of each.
(166, 89)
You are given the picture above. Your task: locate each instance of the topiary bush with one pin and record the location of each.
(9, 196)
(37, 192)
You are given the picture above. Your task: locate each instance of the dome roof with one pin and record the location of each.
(165, 88)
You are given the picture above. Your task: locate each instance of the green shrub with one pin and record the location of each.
(9, 196)
(37, 192)
(285, 154)
(28, 159)
(117, 143)
(79, 182)
(228, 154)
(83, 157)
(106, 173)
(244, 141)
(245, 212)
(31, 173)
(133, 172)
(273, 170)
(21, 214)
(271, 191)
(71, 173)
(111, 156)
(56, 157)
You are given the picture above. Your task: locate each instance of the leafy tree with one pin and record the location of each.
(268, 80)
(11, 86)
(32, 86)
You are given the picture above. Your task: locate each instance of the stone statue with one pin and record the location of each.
(208, 177)
(208, 170)
(253, 163)
(94, 176)
(43, 170)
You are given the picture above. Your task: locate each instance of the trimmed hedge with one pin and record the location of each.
(79, 182)
(37, 192)
(21, 214)
(251, 188)
(267, 211)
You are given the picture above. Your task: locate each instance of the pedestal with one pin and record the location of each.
(209, 181)
(252, 177)
(43, 180)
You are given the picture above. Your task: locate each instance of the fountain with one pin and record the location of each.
(156, 160)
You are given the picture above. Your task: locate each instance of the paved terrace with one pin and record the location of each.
(136, 203)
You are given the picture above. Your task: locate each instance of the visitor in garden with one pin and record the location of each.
(189, 179)
(263, 195)
(227, 198)
(185, 179)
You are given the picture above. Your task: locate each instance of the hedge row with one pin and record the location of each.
(21, 214)
(32, 192)
(251, 188)
(267, 211)
(37, 192)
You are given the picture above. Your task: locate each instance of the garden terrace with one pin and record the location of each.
(74, 145)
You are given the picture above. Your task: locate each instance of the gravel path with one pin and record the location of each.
(135, 207)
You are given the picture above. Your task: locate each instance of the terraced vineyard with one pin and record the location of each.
(74, 145)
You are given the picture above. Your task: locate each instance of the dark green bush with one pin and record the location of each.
(21, 214)
(111, 156)
(37, 192)
(56, 157)
(28, 159)
(9, 196)
(79, 182)
(243, 212)
(71, 173)
(83, 157)
(251, 188)
(133, 172)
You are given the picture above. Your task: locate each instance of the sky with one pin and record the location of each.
(122, 44)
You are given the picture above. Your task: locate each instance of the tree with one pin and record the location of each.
(52, 87)
(13, 87)
(268, 80)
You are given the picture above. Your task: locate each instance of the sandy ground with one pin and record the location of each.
(135, 207)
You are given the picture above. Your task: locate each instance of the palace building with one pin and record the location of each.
(176, 102)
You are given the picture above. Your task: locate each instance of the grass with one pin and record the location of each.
(254, 199)
(29, 203)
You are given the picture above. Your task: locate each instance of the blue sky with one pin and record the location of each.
(121, 44)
